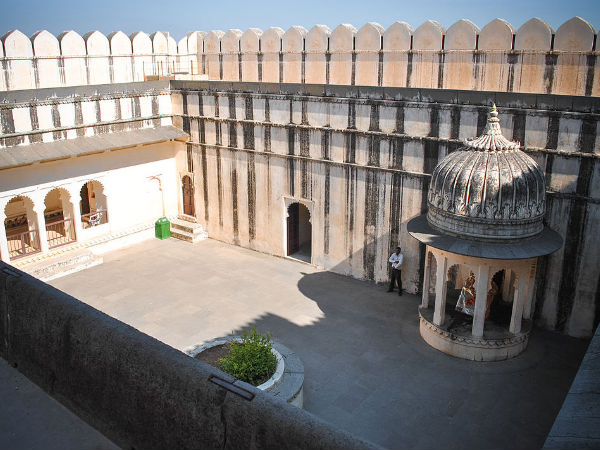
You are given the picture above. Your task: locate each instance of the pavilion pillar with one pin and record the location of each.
(517, 310)
(4, 253)
(440, 290)
(483, 276)
(426, 277)
(506, 284)
(527, 308)
(41, 225)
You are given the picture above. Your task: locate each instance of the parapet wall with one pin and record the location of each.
(138, 391)
(533, 59)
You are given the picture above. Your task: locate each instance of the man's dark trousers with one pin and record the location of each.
(396, 278)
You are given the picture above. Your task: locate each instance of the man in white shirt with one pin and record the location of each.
(396, 260)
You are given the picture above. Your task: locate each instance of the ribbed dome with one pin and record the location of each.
(488, 189)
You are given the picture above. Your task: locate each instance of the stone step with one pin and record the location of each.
(187, 218)
(63, 264)
(187, 236)
(189, 227)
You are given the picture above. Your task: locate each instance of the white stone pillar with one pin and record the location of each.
(483, 275)
(440, 291)
(528, 307)
(75, 195)
(41, 226)
(426, 277)
(4, 254)
(517, 310)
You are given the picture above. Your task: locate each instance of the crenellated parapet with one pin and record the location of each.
(534, 58)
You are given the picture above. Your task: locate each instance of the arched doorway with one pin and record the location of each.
(21, 228)
(58, 215)
(92, 204)
(187, 188)
(299, 232)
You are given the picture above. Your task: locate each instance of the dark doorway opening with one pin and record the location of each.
(188, 196)
(299, 233)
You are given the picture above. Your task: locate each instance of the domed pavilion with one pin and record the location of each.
(483, 233)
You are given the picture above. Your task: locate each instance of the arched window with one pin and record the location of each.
(21, 228)
(93, 204)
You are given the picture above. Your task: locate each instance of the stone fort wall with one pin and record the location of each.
(534, 58)
(360, 158)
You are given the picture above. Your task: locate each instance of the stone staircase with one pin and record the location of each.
(63, 264)
(186, 229)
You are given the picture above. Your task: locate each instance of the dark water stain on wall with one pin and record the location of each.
(251, 197)
(205, 183)
(326, 202)
(578, 217)
(220, 187)
(370, 228)
(234, 198)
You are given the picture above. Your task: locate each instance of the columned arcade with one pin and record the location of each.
(40, 220)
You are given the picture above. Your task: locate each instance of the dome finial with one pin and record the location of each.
(492, 138)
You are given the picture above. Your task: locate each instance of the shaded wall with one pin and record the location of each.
(138, 391)
(361, 158)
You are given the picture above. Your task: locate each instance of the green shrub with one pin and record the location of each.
(251, 360)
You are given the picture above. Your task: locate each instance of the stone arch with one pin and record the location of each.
(270, 46)
(230, 47)
(187, 192)
(496, 35)
(160, 51)
(576, 35)
(121, 51)
(45, 45)
(93, 204)
(462, 35)
(212, 49)
(20, 71)
(397, 41)
(250, 46)
(575, 38)
(292, 46)
(428, 36)
(141, 47)
(316, 45)
(368, 45)
(298, 230)
(535, 34)
(460, 41)
(427, 46)
(72, 48)
(98, 51)
(58, 216)
(21, 227)
(341, 46)
(532, 39)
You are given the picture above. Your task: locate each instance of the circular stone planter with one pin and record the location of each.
(286, 383)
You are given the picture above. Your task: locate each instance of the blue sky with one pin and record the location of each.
(181, 16)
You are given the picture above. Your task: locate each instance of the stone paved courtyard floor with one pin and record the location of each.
(367, 369)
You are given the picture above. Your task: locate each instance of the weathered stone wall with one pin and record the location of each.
(361, 159)
(535, 58)
(46, 115)
(136, 390)
(71, 60)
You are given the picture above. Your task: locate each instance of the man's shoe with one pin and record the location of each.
(390, 290)
(400, 293)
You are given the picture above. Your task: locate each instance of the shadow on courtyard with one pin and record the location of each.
(368, 371)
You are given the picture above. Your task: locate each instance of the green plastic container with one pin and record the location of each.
(162, 228)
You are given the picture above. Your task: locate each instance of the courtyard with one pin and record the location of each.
(367, 369)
